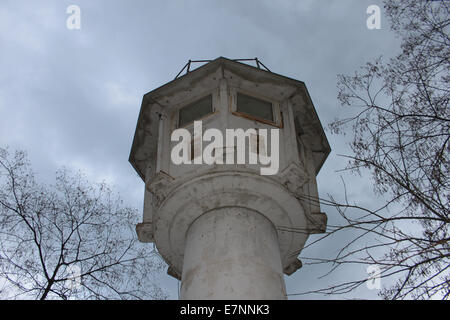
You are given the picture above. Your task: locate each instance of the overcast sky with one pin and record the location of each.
(71, 97)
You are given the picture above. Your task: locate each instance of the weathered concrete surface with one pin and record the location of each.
(189, 198)
(199, 216)
(232, 253)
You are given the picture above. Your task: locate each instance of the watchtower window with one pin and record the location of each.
(254, 107)
(195, 110)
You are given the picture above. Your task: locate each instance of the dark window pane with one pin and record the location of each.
(195, 110)
(255, 107)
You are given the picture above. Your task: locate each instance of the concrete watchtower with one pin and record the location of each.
(226, 231)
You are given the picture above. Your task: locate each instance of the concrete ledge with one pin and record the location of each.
(294, 266)
(145, 232)
(173, 273)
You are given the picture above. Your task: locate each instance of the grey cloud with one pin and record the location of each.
(72, 97)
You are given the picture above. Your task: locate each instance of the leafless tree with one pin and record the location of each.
(71, 240)
(400, 134)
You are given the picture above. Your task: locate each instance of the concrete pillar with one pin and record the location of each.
(232, 253)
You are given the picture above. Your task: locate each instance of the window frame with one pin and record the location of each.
(214, 106)
(276, 110)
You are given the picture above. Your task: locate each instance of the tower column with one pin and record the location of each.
(232, 253)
